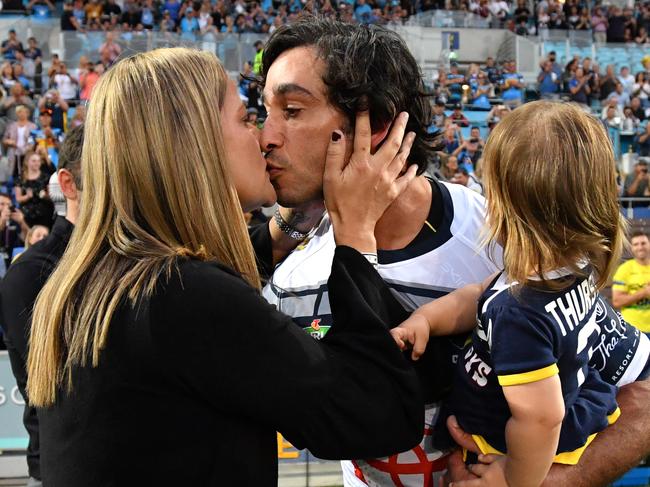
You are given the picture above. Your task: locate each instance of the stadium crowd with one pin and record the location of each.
(39, 105)
(609, 23)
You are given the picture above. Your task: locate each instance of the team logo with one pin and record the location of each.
(315, 325)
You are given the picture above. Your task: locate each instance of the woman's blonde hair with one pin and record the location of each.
(156, 188)
(550, 182)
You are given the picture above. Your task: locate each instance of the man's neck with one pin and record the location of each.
(645, 261)
(404, 218)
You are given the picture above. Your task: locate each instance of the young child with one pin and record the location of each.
(525, 388)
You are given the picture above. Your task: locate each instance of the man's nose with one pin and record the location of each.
(270, 137)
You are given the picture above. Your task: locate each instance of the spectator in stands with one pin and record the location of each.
(17, 96)
(621, 96)
(33, 64)
(522, 12)
(93, 10)
(612, 117)
(637, 108)
(464, 178)
(10, 46)
(608, 82)
(65, 84)
(616, 26)
(643, 143)
(57, 106)
(548, 81)
(47, 137)
(458, 117)
(31, 191)
(599, 25)
(636, 184)
(439, 117)
(34, 235)
(452, 139)
(630, 122)
(469, 153)
(626, 79)
(47, 3)
(454, 83)
(512, 85)
(584, 23)
(70, 22)
(8, 78)
(631, 284)
(13, 231)
(110, 50)
(641, 88)
(449, 167)
(493, 71)
(19, 75)
(497, 114)
(79, 117)
(482, 92)
(642, 36)
(87, 81)
(167, 24)
(150, 15)
(579, 87)
(16, 140)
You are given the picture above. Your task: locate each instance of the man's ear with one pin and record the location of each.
(379, 136)
(68, 186)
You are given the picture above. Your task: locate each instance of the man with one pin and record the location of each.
(10, 46)
(548, 81)
(636, 184)
(13, 231)
(26, 277)
(512, 86)
(257, 62)
(579, 87)
(626, 79)
(464, 178)
(469, 153)
(439, 117)
(427, 240)
(631, 286)
(644, 143)
(637, 109)
(458, 117)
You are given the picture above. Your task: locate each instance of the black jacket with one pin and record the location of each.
(18, 290)
(194, 383)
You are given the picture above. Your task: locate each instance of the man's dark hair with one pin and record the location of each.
(635, 233)
(70, 153)
(366, 67)
(5, 195)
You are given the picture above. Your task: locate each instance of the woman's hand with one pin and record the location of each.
(358, 191)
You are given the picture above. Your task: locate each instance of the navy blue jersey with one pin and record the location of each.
(525, 334)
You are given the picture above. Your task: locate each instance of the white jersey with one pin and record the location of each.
(437, 262)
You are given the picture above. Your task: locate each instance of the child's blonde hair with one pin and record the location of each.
(550, 181)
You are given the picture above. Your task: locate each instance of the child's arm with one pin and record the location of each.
(533, 431)
(451, 314)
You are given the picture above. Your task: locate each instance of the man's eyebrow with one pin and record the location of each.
(292, 88)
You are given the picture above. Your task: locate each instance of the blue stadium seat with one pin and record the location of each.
(635, 477)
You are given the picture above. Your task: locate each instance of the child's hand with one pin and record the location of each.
(490, 470)
(413, 332)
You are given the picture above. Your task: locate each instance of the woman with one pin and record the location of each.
(641, 87)
(8, 78)
(16, 140)
(150, 341)
(34, 235)
(31, 191)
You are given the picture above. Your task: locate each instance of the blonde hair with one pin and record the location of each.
(550, 181)
(156, 188)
